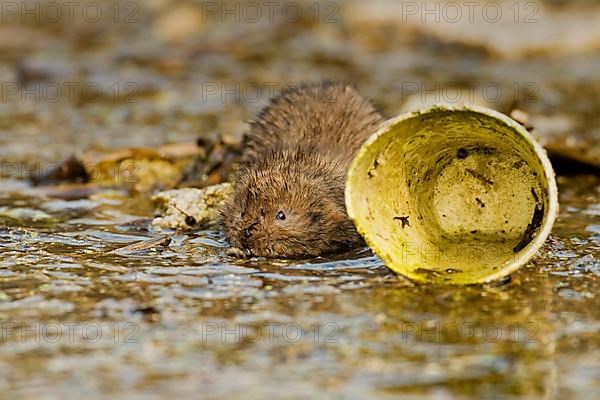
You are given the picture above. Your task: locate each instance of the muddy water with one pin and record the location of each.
(77, 319)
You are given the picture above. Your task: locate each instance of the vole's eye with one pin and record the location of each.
(280, 216)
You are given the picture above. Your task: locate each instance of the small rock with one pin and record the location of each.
(189, 208)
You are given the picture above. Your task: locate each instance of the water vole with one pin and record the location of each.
(288, 198)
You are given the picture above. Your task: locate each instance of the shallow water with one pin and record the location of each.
(78, 319)
(186, 319)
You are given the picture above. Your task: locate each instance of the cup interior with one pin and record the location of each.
(452, 195)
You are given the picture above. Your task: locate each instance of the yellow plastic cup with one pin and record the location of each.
(452, 195)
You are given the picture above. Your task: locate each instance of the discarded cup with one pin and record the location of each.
(452, 195)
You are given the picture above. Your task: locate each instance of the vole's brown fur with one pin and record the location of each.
(294, 165)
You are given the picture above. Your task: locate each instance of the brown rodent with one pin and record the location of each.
(288, 199)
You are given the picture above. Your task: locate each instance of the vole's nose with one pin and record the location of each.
(248, 231)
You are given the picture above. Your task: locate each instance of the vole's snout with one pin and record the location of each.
(245, 239)
(246, 233)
